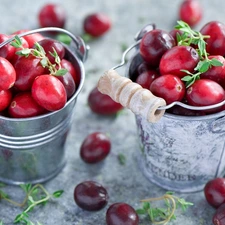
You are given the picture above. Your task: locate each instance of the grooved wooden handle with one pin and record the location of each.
(131, 95)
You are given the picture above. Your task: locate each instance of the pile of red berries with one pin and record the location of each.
(184, 65)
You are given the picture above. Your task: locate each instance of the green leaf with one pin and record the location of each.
(146, 206)
(17, 43)
(26, 187)
(40, 48)
(61, 72)
(122, 159)
(203, 66)
(64, 38)
(215, 62)
(3, 195)
(44, 62)
(140, 211)
(187, 78)
(57, 194)
(1, 223)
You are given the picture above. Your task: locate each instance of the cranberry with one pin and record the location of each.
(179, 110)
(145, 78)
(96, 24)
(27, 69)
(31, 38)
(50, 45)
(154, 44)
(69, 66)
(214, 191)
(52, 15)
(23, 106)
(179, 58)
(102, 104)
(69, 84)
(219, 216)
(215, 44)
(49, 92)
(90, 195)
(7, 74)
(168, 87)
(7, 51)
(205, 92)
(143, 67)
(190, 11)
(121, 213)
(95, 147)
(216, 73)
(5, 96)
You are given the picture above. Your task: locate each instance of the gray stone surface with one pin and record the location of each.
(123, 182)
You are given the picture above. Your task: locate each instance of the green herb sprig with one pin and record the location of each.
(35, 195)
(190, 37)
(158, 215)
(39, 52)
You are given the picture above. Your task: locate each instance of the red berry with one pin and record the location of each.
(27, 69)
(214, 191)
(23, 106)
(146, 78)
(121, 213)
(52, 15)
(215, 44)
(31, 38)
(96, 24)
(205, 92)
(90, 195)
(50, 45)
(219, 216)
(179, 58)
(5, 96)
(95, 147)
(190, 11)
(168, 87)
(7, 74)
(49, 92)
(102, 104)
(154, 44)
(7, 51)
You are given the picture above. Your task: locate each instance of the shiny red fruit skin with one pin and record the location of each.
(7, 51)
(90, 196)
(219, 216)
(121, 213)
(168, 87)
(31, 38)
(49, 45)
(5, 96)
(7, 74)
(95, 147)
(52, 15)
(154, 44)
(69, 84)
(191, 12)
(49, 92)
(216, 73)
(215, 44)
(214, 191)
(24, 106)
(102, 104)
(96, 24)
(205, 92)
(69, 66)
(146, 78)
(179, 58)
(27, 69)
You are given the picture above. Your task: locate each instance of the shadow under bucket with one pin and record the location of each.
(32, 150)
(180, 153)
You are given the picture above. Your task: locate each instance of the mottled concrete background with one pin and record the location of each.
(123, 182)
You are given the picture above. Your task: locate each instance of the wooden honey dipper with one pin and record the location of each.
(131, 95)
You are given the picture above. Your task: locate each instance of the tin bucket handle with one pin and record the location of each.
(77, 43)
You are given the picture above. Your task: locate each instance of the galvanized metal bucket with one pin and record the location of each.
(32, 150)
(180, 153)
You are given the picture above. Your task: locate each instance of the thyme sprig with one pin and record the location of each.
(35, 195)
(158, 215)
(190, 37)
(39, 52)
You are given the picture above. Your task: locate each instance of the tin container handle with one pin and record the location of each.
(131, 95)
